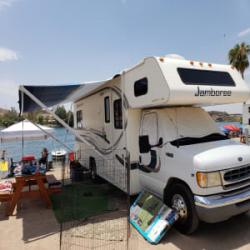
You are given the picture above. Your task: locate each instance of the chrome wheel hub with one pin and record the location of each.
(179, 204)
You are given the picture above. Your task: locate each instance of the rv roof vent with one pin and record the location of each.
(175, 56)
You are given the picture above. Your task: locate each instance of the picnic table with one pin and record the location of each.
(38, 180)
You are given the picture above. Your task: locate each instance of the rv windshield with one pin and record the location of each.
(193, 140)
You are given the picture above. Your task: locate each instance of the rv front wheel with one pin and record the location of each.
(180, 198)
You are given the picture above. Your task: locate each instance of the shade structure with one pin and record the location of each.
(52, 95)
(231, 127)
(24, 130)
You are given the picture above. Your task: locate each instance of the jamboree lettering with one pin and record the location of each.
(212, 92)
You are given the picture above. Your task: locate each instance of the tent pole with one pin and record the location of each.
(22, 140)
(127, 166)
(42, 105)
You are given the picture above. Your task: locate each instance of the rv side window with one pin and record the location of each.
(79, 119)
(248, 121)
(118, 114)
(107, 109)
(248, 109)
(141, 87)
(205, 77)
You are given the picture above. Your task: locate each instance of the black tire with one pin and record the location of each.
(190, 221)
(92, 167)
(93, 173)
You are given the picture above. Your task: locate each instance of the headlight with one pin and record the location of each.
(206, 180)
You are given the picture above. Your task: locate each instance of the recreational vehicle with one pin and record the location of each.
(150, 119)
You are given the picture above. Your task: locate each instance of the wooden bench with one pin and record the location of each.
(54, 186)
(5, 196)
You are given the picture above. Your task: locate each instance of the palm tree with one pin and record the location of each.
(238, 57)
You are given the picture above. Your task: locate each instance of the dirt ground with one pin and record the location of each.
(231, 234)
(35, 227)
(32, 227)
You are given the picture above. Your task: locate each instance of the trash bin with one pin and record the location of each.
(58, 158)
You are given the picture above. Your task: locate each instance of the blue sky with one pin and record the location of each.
(63, 41)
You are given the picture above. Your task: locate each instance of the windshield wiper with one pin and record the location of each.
(194, 140)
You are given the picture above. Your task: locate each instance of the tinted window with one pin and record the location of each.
(79, 119)
(107, 109)
(118, 114)
(205, 77)
(248, 109)
(141, 87)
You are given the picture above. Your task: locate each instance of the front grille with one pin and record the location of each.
(237, 174)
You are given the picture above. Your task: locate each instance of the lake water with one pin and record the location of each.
(14, 149)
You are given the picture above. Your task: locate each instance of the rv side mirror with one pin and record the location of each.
(144, 145)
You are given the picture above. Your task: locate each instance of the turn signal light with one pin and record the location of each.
(210, 179)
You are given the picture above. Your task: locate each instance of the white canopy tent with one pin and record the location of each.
(25, 130)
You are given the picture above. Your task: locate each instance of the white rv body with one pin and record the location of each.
(159, 101)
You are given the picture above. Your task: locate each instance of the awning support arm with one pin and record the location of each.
(49, 134)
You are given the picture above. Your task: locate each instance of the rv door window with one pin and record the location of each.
(107, 109)
(205, 77)
(118, 114)
(141, 87)
(79, 119)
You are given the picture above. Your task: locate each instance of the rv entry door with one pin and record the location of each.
(149, 143)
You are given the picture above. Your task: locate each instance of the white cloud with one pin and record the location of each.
(7, 55)
(6, 3)
(244, 32)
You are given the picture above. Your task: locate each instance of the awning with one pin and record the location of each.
(49, 95)
(52, 95)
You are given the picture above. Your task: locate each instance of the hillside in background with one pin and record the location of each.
(9, 117)
(225, 117)
(3, 111)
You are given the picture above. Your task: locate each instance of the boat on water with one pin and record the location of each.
(58, 154)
